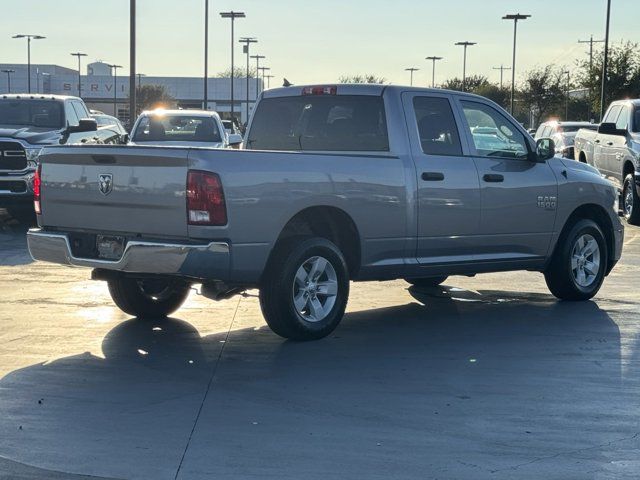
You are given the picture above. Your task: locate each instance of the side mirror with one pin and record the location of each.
(545, 149)
(611, 129)
(235, 139)
(124, 138)
(84, 125)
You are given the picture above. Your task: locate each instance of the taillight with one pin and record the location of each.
(320, 90)
(205, 199)
(37, 186)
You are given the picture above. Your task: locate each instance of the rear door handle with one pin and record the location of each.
(432, 176)
(596, 141)
(609, 143)
(493, 178)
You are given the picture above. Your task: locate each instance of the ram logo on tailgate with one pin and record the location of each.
(105, 182)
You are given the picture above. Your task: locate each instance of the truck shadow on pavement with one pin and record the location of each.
(460, 385)
(13, 240)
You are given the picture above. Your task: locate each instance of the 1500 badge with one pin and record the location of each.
(548, 203)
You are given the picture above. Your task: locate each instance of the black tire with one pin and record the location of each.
(630, 201)
(428, 281)
(149, 297)
(279, 287)
(562, 279)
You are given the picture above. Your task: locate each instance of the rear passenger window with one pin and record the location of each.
(436, 126)
(623, 119)
(320, 123)
(612, 114)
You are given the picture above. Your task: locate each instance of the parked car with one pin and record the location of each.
(340, 183)
(113, 123)
(614, 149)
(27, 124)
(563, 134)
(230, 127)
(196, 128)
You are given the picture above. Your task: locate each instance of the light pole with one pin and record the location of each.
(269, 77)
(29, 38)
(79, 55)
(232, 15)
(591, 41)
(433, 70)
(8, 72)
(411, 70)
(464, 63)
(605, 63)
(205, 100)
(263, 70)
(247, 44)
(502, 68)
(115, 88)
(515, 17)
(133, 104)
(258, 58)
(566, 100)
(140, 75)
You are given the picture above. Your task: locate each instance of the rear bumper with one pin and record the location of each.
(208, 261)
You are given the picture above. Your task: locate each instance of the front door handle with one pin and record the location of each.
(596, 141)
(493, 178)
(432, 176)
(609, 143)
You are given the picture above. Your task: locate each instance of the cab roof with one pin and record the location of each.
(38, 96)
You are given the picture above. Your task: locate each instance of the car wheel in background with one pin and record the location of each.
(630, 201)
(148, 297)
(578, 266)
(305, 289)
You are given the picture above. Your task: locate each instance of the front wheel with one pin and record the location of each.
(148, 297)
(630, 201)
(579, 263)
(305, 289)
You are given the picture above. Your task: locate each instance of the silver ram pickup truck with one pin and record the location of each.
(338, 183)
(615, 151)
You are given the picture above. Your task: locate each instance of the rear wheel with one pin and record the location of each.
(428, 281)
(305, 289)
(630, 201)
(148, 297)
(578, 266)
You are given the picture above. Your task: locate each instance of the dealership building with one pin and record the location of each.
(100, 92)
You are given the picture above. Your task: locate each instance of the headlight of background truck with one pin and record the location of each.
(32, 156)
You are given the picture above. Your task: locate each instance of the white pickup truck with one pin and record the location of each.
(615, 150)
(346, 182)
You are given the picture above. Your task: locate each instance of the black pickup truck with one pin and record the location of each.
(27, 124)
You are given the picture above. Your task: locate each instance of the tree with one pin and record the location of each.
(543, 91)
(238, 72)
(472, 83)
(367, 78)
(623, 74)
(152, 96)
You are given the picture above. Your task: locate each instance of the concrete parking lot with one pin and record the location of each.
(487, 377)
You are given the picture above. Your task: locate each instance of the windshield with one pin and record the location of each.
(321, 123)
(177, 128)
(31, 113)
(575, 128)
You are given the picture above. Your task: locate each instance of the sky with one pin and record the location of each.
(317, 41)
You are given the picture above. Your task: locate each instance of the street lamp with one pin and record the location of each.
(140, 75)
(605, 63)
(411, 70)
(29, 38)
(247, 44)
(464, 63)
(115, 88)
(8, 72)
(79, 54)
(258, 58)
(515, 17)
(269, 77)
(232, 15)
(205, 100)
(433, 70)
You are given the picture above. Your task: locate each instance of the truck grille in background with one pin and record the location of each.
(16, 186)
(12, 156)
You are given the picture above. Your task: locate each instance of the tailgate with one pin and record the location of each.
(115, 189)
